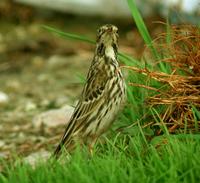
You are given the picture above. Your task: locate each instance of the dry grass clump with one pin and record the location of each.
(180, 91)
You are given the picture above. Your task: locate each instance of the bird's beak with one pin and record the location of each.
(109, 30)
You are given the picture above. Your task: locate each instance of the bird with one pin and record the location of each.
(103, 95)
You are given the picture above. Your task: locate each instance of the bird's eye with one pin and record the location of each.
(99, 31)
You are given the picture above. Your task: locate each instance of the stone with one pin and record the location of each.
(3, 98)
(13, 85)
(53, 118)
(30, 106)
(2, 143)
(57, 61)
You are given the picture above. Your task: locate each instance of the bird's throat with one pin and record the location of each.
(110, 52)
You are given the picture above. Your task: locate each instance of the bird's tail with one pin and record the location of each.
(67, 144)
(57, 151)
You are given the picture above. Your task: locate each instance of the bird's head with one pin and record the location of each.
(107, 36)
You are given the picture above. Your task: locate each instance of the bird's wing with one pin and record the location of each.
(92, 97)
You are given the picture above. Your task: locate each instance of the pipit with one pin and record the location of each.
(102, 96)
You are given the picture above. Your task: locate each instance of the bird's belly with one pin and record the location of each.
(105, 114)
(110, 113)
(108, 119)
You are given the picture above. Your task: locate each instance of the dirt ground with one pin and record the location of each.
(40, 71)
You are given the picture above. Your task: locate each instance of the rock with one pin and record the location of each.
(37, 157)
(30, 106)
(38, 62)
(3, 98)
(62, 100)
(13, 85)
(45, 103)
(56, 61)
(109, 8)
(2, 143)
(86, 7)
(43, 77)
(53, 118)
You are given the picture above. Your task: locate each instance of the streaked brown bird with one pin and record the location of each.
(102, 96)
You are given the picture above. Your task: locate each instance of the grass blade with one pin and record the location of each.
(124, 57)
(68, 35)
(141, 27)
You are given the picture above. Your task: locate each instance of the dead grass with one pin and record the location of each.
(181, 94)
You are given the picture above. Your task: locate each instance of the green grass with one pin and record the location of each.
(134, 155)
(129, 160)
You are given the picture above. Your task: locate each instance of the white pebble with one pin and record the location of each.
(3, 97)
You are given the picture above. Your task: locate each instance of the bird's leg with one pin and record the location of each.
(90, 148)
(91, 145)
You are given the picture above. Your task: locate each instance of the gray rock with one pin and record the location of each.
(53, 118)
